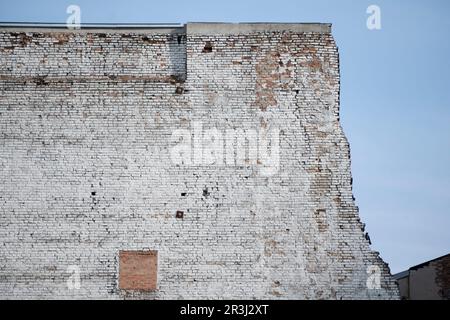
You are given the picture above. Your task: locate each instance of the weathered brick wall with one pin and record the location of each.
(89, 121)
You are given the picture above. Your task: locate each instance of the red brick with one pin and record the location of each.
(138, 270)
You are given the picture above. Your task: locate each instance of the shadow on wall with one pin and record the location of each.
(177, 54)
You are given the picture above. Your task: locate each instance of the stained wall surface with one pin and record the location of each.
(217, 145)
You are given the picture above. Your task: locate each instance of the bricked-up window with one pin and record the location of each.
(138, 270)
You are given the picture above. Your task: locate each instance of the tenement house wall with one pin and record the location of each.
(204, 161)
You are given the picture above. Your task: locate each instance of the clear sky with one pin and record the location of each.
(395, 99)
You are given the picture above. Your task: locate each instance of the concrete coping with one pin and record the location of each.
(167, 28)
(211, 28)
(194, 28)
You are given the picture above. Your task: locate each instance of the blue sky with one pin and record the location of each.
(395, 100)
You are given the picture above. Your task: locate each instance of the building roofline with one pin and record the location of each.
(418, 266)
(91, 25)
(428, 262)
(202, 28)
(401, 275)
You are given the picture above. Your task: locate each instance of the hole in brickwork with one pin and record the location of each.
(183, 194)
(366, 236)
(208, 47)
(179, 90)
(179, 214)
(40, 81)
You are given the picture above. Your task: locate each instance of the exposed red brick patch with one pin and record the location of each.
(266, 81)
(309, 50)
(89, 38)
(321, 219)
(138, 270)
(61, 38)
(273, 247)
(315, 64)
(24, 39)
(148, 40)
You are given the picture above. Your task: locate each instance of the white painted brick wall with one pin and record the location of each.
(86, 124)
